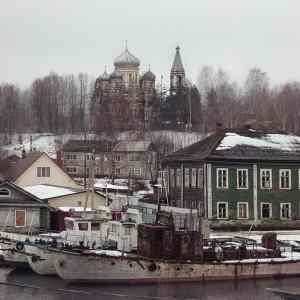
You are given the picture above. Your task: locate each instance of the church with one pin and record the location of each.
(128, 100)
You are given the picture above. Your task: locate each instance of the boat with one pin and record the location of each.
(117, 267)
(81, 234)
(167, 255)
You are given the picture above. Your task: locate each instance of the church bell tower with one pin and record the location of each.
(177, 76)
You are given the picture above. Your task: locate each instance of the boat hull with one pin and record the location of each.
(40, 260)
(12, 257)
(86, 268)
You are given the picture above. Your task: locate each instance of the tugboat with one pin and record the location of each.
(167, 255)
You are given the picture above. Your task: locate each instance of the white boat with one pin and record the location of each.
(165, 254)
(117, 267)
(84, 233)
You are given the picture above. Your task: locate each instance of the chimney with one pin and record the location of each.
(59, 158)
(219, 127)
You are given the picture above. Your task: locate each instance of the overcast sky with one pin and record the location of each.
(72, 36)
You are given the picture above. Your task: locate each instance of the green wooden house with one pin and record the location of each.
(244, 176)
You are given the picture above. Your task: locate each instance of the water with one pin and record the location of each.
(27, 285)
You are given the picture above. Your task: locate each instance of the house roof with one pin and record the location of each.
(87, 146)
(132, 146)
(242, 144)
(47, 191)
(12, 170)
(38, 201)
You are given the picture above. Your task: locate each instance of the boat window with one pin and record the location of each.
(69, 224)
(83, 226)
(95, 226)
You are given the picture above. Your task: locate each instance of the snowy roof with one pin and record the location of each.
(45, 191)
(242, 144)
(269, 141)
(132, 146)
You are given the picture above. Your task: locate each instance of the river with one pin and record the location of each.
(23, 285)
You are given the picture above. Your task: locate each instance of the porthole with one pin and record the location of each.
(112, 263)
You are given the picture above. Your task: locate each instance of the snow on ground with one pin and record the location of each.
(43, 142)
(271, 141)
(104, 183)
(74, 208)
(44, 191)
(48, 142)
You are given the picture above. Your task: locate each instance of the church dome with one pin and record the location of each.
(149, 76)
(115, 75)
(125, 59)
(105, 76)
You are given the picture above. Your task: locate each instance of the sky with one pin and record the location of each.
(73, 36)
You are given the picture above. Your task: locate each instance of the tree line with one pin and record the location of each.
(61, 103)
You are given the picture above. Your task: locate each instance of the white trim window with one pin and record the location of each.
(285, 179)
(137, 171)
(172, 178)
(71, 170)
(266, 210)
(200, 178)
(43, 171)
(242, 210)
(116, 157)
(222, 178)
(20, 217)
(285, 210)
(242, 178)
(194, 178)
(222, 210)
(265, 178)
(178, 178)
(187, 178)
